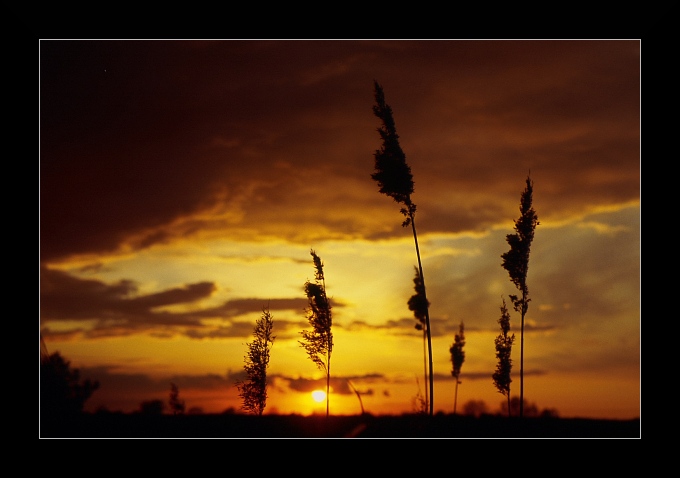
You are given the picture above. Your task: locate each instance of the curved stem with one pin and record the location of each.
(427, 314)
(521, 360)
(357, 394)
(427, 396)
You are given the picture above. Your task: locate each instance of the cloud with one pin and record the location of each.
(484, 375)
(236, 307)
(340, 385)
(406, 326)
(128, 161)
(66, 297)
(96, 309)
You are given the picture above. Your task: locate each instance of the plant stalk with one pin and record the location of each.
(427, 315)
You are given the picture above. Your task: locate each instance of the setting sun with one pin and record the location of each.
(319, 396)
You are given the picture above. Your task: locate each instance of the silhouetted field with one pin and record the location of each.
(118, 425)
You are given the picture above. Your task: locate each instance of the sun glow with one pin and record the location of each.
(319, 396)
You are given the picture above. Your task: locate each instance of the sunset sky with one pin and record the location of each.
(183, 184)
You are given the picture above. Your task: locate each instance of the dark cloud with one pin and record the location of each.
(143, 142)
(65, 297)
(190, 293)
(407, 326)
(483, 375)
(116, 309)
(283, 329)
(340, 385)
(236, 307)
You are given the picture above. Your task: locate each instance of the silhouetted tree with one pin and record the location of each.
(254, 390)
(152, 407)
(318, 343)
(61, 391)
(549, 413)
(475, 408)
(395, 180)
(516, 262)
(177, 406)
(457, 359)
(418, 303)
(513, 406)
(501, 377)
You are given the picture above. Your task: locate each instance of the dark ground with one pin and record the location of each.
(118, 425)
